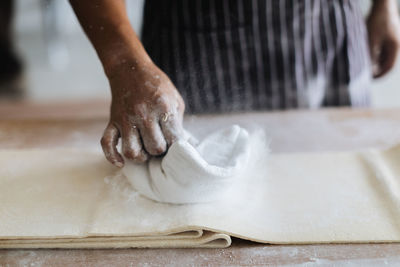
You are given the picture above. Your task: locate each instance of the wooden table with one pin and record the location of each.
(81, 124)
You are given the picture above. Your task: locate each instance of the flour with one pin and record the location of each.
(195, 173)
(76, 200)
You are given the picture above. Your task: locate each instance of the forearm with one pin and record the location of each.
(108, 28)
(142, 95)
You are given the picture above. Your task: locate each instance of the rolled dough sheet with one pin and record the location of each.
(75, 199)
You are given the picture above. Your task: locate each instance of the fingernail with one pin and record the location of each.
(119, 164)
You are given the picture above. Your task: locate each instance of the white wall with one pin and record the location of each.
(66, 68)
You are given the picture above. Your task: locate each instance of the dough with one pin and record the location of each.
(194, 173)
(78, 200)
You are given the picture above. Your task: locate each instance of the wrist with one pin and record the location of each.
(124, 59)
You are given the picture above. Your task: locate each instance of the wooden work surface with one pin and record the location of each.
(80, 125)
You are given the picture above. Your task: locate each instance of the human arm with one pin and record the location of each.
(383, 26)
(146, 109)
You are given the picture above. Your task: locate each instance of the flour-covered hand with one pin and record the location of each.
(146, 113)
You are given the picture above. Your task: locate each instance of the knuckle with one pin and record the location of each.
(157, 150)
(164, 107)
(148, 124)
(163, 104)
(140, 110)
(130, 154)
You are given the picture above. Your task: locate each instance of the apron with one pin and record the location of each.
(240, 55)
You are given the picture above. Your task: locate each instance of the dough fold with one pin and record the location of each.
(194, 173)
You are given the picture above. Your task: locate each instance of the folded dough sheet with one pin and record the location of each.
(60, 198)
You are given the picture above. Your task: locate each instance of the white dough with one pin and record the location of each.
(194, 173)
(77, 201)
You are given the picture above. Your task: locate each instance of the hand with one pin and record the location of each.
(384, 36)
(146, 113)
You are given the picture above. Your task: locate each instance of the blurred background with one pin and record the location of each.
(61, 65)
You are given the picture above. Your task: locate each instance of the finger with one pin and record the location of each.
(132, 147)
(387, 58)
(153, 139)
(171, 128)
(109, 143)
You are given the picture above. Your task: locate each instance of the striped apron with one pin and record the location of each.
(238, 55)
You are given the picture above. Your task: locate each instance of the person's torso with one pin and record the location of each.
(235, 55)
